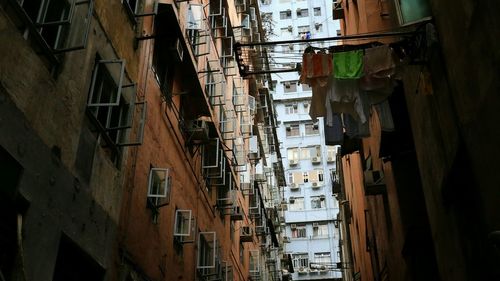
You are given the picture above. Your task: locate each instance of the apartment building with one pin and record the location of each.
(416, 196)
(130, 147)
(311, 232)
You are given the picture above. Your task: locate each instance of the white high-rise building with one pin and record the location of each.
(312, 210)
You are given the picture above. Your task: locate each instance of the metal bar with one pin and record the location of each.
(336, 38)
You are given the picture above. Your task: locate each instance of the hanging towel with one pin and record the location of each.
(314, 67)
(348, 65)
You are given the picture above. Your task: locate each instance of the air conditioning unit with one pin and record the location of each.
(246, 233)
(292, 200)
(293, 162)
(315, 185)
(286, 239)
(302, 270)
(293, 226)
(294, 186)
(236, 213)
(253, 156)
(330, 159)
(315, 224)
(197, 130)
(316, 160)
(299, 10)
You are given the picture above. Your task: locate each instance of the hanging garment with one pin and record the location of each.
(343, 96)
(379, 69)
(317, 107)
(355, 128)
(334, 134)
(385, 116)
(316, 68)
(348, 65)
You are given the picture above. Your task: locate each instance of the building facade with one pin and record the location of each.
(311, 232)
(130, 147)
(417, 199)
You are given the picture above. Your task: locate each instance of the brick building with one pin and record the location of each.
(417, 203)
(130, 147)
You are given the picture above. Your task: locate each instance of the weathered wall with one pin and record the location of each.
(42, 119)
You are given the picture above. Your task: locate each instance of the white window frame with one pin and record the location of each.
(161, 197)
(182, 224)
(201, 262)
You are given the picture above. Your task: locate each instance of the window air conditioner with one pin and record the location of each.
(315, 184)
(316, 159)
(293, 162)
(293, 226)
(330, 159)
(315, 224)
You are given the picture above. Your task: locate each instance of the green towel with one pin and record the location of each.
(348, 65)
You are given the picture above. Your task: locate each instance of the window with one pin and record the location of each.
(412, 10)
(302, 13)
(254, 262)
(290, 86)
(300, 260)
(317, 11)
(286, 14)
(111, 106)
(60, 25)
(323, 258)
(207, 245)
(215, 84)
(74, 264)
(317, 202)
(305, 176)
(331, 151)
(293, 154)
(195, 25)
(132, 8)
(320, 175)
(292, 130)
(158, 190)
(182, 224)
(284, 31)
(303, 30)
(299, 231)
(312, 129)
(296, 204)
(291, 109)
